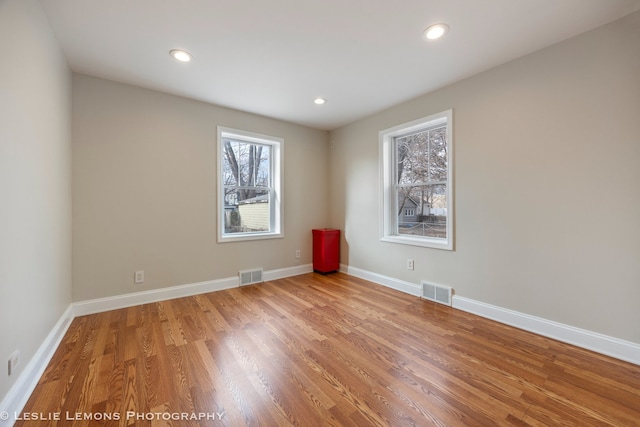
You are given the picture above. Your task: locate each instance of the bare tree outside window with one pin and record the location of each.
(416, 161)
(247, 182)
(422, 162)
(249, 187)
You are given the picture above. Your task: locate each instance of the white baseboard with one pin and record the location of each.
(390, 282)
(19, 393)
(599, 343)
(603, 344)
(287, 272)
(99, 305)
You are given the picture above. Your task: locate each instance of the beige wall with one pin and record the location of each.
(144, 187)
(35, 186)
(547, 175)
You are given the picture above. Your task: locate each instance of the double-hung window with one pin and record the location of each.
(249, 185)
(416, 162)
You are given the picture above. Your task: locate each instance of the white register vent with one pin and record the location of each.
(249, 277)
(437, 293)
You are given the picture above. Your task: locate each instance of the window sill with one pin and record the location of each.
(249, 236)
(419, 241)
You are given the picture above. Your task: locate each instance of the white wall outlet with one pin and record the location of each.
(409, 264)
(14, 362)
(297, 253)
(138, 277)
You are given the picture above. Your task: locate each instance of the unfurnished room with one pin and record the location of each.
(319, 213)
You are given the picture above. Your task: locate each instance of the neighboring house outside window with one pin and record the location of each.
(249, 185)
(417, 170)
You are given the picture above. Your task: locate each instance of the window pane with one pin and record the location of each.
(412, 158)
(262, 165)
(250, 213)
(230, 165)
(422, 156)
(246, 164)
(438, 159)
(422, 211)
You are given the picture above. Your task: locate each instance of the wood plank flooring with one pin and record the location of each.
(317, 350)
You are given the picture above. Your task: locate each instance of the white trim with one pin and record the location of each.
(389, 282)
(281, 273)
(17, 396)
(610, 346)
(603, 344)
(99, 305)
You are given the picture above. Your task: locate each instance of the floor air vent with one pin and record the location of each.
(249, 277)
(437, 293)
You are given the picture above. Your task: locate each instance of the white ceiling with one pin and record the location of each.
(273, 57)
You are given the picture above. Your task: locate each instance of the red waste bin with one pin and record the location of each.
(326, 250)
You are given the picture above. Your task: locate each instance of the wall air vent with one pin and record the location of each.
(437, 293)
(249, 277)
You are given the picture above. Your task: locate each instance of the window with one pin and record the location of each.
(416, 162)
(249, 186)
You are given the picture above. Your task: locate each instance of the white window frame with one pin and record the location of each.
(276, 171)
(389, 200)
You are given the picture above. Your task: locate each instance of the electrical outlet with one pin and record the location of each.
(409, 264)
(13, 363)
(138, 277)
(297, 253)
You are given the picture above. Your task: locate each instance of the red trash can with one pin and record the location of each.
(326, 250)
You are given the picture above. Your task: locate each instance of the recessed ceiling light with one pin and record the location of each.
(180, 55)
(319, 101)
(436, 31)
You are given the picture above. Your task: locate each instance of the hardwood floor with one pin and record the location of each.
(322, 350)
